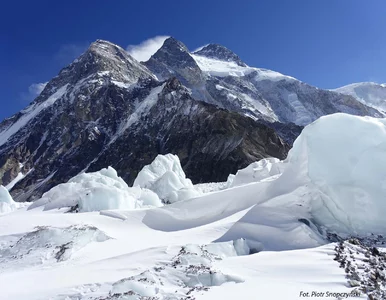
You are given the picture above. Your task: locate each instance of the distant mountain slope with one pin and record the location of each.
(369, 93)
(217, 75)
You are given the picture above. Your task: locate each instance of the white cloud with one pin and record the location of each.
(36, 88)
(147, 48)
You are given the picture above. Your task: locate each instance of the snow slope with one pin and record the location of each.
(263, 235)
(215, 67)
(370, 93)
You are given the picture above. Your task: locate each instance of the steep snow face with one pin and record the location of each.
(221, 68)
(369, 93)
(219, 52)
(140, 110)
(166, 178)
(29, 113)
(97, 191)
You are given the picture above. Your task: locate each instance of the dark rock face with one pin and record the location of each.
(173, 59)
(287, 131)
(210, 142)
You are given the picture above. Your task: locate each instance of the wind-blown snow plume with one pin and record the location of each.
(147, 48)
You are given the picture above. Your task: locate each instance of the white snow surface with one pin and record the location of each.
(219, 68)
(206, 247)
(369, 93)
(165, 177)
(264, 169)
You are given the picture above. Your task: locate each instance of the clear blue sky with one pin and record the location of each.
(327, 43)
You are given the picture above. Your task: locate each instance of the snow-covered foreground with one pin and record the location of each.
(264, 234)
(94, 256)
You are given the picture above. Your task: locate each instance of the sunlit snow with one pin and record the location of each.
(265, 228)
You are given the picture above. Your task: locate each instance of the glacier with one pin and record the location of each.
(269, 225)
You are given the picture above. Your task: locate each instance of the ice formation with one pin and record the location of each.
(344, 157)
(165, 177)
(6, 202)
(102, 190)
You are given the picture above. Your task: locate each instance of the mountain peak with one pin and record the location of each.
(173, 59)
(108, 50)
(103, 57)
(172, 47)
(220, 52)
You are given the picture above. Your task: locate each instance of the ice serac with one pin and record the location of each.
(348, 171)
(167, 179)
(6, 202)
(103, 190)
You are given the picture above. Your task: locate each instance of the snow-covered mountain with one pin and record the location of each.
(208, 107)
(107, 109)
(218, 76)
(369, 93)
(309, 226)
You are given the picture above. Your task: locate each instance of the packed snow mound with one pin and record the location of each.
(6, 202)
(102, 190)
(165, 177)
(261, 170)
